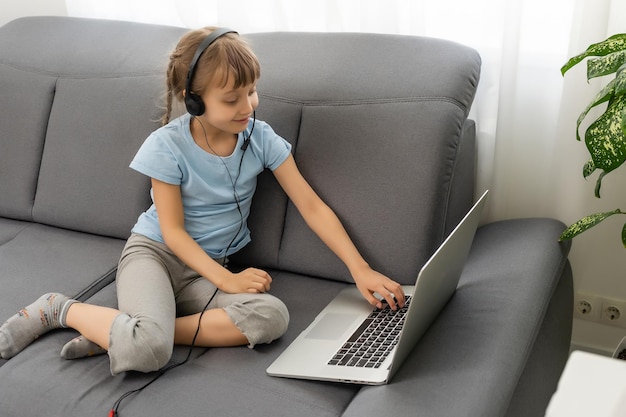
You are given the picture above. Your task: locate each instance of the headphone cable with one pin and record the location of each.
(114, 410)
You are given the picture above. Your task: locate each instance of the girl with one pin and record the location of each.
(173, 285)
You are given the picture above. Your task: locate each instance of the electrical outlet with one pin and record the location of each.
(613, 312)
(610, 311)
(583, 307)
(587, 306)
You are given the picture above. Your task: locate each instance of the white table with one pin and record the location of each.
(591, 386)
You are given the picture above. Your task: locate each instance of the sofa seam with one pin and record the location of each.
(450, 182)
(364, 101)
(64, 75)
(43, 150)
(29, 224)
(284, 225)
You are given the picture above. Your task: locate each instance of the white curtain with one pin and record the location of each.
(525, 110)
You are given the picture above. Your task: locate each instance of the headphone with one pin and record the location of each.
(193, 102)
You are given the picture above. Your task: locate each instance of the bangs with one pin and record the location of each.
(233, 60)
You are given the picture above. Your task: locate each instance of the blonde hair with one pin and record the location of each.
(229, 56)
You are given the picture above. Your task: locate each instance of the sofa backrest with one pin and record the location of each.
(379, 127)
(378, 123)
(78, 99)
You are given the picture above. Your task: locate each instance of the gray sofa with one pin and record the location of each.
(378, 125)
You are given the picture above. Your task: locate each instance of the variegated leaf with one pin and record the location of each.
(588, 168)
(603, 96)
(605, 65)
(586, 223)
(596, 191)
(624, 121)
(613, 44)
(620, 81)
(605, 139)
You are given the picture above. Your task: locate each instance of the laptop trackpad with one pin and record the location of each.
(331, 326)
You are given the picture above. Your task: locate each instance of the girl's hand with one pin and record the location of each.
(251, 280)
(370, 282)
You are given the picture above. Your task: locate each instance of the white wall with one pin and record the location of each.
(12, 9)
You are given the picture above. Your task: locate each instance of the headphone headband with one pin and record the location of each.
(193, 102)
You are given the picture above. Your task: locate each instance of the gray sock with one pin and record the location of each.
(81, 347)
(46, 313)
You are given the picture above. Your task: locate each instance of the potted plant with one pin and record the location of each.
(605, 138)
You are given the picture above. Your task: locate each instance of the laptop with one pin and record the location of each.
(351, 341)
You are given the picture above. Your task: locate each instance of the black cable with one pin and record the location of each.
(230, 176)
(115, 408)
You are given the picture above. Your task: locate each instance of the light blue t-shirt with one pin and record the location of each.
(211, 216)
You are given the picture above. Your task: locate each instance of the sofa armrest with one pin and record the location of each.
(471, 359)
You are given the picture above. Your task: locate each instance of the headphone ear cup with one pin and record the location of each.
(194, 104)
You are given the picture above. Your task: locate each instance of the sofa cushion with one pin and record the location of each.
(36, 259)
(25, 101)
(39, 259)
(269, 204)
(104, 47)
(375, 187)
(374, 147)
(480, 343)
(220, 382)
(471, 351)
(84, 181)
(9, 229)
(92, 113)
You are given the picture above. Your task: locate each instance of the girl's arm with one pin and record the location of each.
(169, 205)
(323, 221)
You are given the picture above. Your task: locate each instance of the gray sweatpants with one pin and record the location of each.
(154, 287)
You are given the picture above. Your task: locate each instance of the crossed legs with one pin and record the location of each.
(159, 302)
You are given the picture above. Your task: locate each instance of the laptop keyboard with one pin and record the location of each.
(371, 343)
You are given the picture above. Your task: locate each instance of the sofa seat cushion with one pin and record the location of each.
(36, 259)
(9, 229)
(224, 382)
(480, 343)
(471, 350)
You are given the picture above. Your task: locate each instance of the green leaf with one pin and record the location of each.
(586, 223)
(606, 65)
(606, 94)
(624, 121)
(620, 81)
(624, 235)
(599, 184)
(605, 138)
(613, 44)
(588, 168)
